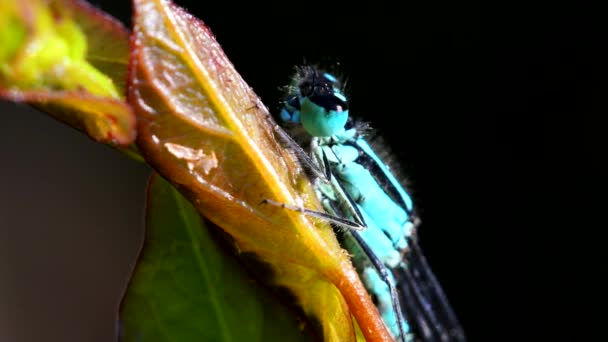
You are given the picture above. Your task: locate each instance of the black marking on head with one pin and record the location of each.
(321, 90)
(329, 102)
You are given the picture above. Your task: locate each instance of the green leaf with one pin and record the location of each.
(70, 60)
(186, 288)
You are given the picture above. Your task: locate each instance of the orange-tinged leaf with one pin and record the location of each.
(70, 60)
(204, 129)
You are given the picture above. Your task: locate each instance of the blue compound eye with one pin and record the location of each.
(293, 102)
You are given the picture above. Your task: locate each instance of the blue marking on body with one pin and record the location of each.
(331, 78)
(372, 280)
(382, 247)
(379, 242)
(345, 154)
(364, 189)
(340, 96)
(368, 150)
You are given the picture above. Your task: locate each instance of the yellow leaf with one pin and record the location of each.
(70, 60)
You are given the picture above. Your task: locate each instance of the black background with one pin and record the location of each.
(484, 108)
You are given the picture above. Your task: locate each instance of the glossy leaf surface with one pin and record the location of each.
(187, 288)
(204, 129)
(70, 60)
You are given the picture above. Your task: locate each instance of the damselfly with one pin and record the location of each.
(375, 213)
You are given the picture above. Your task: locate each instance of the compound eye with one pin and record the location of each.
(293, 102)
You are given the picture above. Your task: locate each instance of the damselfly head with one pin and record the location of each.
(322, 88)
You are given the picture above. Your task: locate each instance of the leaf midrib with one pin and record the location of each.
(191, 228)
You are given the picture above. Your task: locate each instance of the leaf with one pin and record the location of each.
(69, 60)
(203, 129)
(186, 288)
